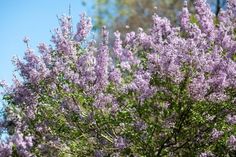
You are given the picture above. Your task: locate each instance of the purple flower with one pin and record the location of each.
(232, 142)
(23, 144)
(117, 47)
(205, 18)
(125, 66)
(5, 149)
(3, 83)
(83, 28)
(216, 134)
(130, 38)
(98, 153)
(207, 154)
(231, 119)
(103, 61)
(120, 142)
(184, 17)
(140, 125)
(66, 26)
(102, 100)
(115, 75)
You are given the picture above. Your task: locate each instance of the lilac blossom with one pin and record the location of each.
(104, 99)
(83, 28)
(231, 119)
(207, 154)
(102, 60)
(232, 142)
(115, 76)
(216, 134)
(120, 143)
(6, 149)
(117, 48)
(205, 17)
(185, 17)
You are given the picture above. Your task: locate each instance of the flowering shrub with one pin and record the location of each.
(170, 91)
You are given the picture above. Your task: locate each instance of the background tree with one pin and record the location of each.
(126, 15)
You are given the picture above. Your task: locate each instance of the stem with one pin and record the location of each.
(217, 7)
(163, 146)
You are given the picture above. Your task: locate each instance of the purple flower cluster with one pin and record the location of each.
(5, 149)
(206, 154)
(216, 134)
(83, 28)
(120, 143)
(232, 142)
(81, 98)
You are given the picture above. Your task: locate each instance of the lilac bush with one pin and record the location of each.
(169, 91)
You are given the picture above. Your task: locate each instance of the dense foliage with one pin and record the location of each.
(170, 91)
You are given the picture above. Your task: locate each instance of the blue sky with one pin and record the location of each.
(34, 19)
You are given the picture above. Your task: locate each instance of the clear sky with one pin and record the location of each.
(34, 19)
